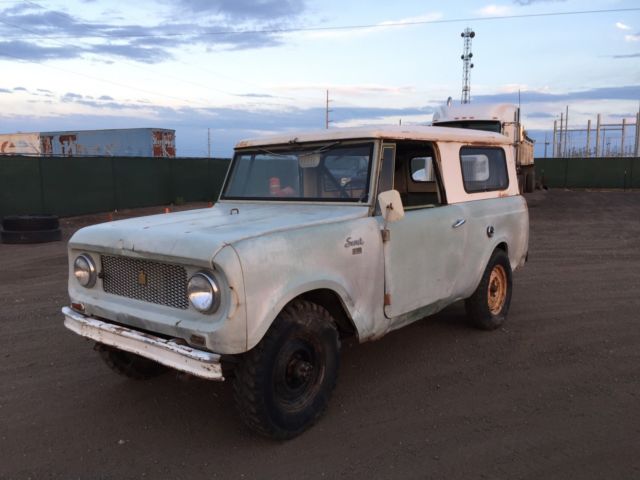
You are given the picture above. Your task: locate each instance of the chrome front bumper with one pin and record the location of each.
(180, 357)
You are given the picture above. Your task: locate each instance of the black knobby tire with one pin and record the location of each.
(487, 308)
(128, 364)
(30, 236)
(30, 223)
(284, 383)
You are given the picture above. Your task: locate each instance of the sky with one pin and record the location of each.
(234, 69)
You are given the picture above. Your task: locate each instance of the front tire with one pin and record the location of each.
(283, 385)
(487, 308)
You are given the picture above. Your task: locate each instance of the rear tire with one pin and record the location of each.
(283, 385)
(487, 308)
(29, 223)
(30, 236)
(22, 229)
(128, 364)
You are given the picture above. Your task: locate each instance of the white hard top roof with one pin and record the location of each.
(444, 134)
(504, 112)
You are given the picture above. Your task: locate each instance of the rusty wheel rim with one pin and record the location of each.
(497, 292)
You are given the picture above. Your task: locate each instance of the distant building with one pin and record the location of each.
(121, 142)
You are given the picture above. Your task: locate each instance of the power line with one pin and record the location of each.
(335, 27)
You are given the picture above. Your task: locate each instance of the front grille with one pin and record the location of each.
(152, 282)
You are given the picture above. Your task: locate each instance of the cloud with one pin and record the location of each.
(354, 89)
(19, 89)
(540, 115)
(628, 92)
(71, 97)
(629, 55)
(5, 90)
(494, 11)
(34, 33)
(531, 2)
(243, 9)
(255, 95)
(622, 26)
(32, 51)
(632, 38)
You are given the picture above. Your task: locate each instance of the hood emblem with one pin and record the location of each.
(143, 278)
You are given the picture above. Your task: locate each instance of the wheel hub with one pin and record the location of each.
(301, 369)
(497, 292)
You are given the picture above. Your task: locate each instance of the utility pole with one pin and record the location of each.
(208, 143)
(588, 138)
(466, 57)
(561, 135)
(326, 112)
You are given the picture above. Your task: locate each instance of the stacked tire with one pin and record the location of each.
(21, 229)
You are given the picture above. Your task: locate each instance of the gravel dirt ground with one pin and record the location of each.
(554, 394)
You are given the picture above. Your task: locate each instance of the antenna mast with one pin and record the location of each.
(466, 57)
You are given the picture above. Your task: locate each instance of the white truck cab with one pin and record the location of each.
(316, 236)
(494, 117)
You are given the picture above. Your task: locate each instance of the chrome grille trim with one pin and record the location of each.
(154, 282)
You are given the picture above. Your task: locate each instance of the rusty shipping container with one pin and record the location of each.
(122, 142)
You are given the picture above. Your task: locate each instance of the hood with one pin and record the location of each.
(197, 235)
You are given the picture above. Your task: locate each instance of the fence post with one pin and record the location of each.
(41, 175)
(624, 125)
(588, 138)
(598, 136)
(637, 145)
(566, 131)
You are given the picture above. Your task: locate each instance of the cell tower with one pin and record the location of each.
(466, 57)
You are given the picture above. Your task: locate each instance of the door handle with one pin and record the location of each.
(459, 223)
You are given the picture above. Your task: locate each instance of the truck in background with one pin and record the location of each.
(118, 142)
(501, 118)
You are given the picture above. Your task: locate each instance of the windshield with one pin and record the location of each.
(486, 125)
(331, 172)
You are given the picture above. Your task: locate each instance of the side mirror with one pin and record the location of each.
(391, 206)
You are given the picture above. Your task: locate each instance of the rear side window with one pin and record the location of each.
(483, 169)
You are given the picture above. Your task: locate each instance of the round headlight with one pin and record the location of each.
(85, 271)
(203, 292)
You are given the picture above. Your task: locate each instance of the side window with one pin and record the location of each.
(385, 181)
(422, 169)
(483, 169)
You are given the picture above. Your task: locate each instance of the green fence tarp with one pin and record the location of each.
(601, 172)
(79, 185)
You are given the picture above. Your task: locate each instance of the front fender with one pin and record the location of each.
(284, 265)
(281, 297)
